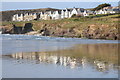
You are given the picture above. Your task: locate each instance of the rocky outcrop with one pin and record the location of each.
(27, 28)
(44, 32)
(101, 32)
(17, 29)
(5, 30)
(91, 32)
(33, 33)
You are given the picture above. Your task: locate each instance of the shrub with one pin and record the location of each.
(76, 16)
(101, 6)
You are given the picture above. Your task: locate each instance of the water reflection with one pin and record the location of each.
(102, 57)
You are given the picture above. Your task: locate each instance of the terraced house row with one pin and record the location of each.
(48, 15)
(60, 14)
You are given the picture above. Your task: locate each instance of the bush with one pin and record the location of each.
(76, 20)
(76, 16)
(101, 6)
(98, 15)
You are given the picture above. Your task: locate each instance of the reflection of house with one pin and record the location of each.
(73, 63)
(61, 60)
(84, 62)
(100, 65)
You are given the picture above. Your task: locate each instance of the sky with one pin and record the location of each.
(58, 5)
(59, 0)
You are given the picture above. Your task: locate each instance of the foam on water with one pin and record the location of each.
(47, 38)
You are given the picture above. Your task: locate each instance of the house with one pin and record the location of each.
(62, 14)
(56, 15)
(17, 17)
(101, 12)
(47, 15)
(108, 10)
(24, 17)
(85, 13)
(76, 11)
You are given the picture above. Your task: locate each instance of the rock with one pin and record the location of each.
(5, 30)
(93, 32)
(34, 33)
(16, 30)
(27, 28)
(112, 36)
(117, 36)
(45, 32)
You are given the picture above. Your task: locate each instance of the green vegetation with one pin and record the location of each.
(101, 15)
(101, 6)
(97, 26)
(71, 22)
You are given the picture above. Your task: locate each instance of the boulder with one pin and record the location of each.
(45, 32)
(27, 28)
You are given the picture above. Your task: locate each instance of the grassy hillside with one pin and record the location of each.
(75, 27)
(71, 22)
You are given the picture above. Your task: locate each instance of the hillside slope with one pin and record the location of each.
(95, 27)
(7, 15)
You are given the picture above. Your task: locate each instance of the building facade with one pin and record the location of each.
(24, 17)
(61, 14)
(108, 10)
(48, 15)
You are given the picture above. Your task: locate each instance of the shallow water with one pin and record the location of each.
(48, 57)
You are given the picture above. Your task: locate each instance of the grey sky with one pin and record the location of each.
(59, 0)
(60, 5)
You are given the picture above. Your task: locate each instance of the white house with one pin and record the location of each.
(85, 13)
(108, 10)
(24, 17)
(66, 13)
(60, 14)
(74, 11)
(56, 15)
(63, 14)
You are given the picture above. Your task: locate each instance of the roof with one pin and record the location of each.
(70, 9)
